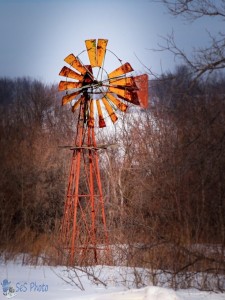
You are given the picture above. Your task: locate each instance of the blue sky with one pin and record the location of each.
(36, 35)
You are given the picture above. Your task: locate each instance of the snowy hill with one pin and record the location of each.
(53, 283)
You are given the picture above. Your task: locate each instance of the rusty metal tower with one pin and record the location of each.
(96, 95)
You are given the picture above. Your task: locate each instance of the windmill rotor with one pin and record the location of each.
(105, 92)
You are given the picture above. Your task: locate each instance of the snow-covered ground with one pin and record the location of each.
(42, 282)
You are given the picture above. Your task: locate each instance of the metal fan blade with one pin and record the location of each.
(67, 98)
(123, 92)
(101, 49)
(125, 68)
(91, 49)
(91, 121)
(76, 105)
(67, 72)
(134, 98)
(127, 82)
(122, 106)
(109, 109)
(75, 63)
(67, 85)
(100, 115)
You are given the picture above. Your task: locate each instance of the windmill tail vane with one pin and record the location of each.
(97, 95)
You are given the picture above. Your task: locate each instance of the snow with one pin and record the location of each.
(150, 293)
(48, 283)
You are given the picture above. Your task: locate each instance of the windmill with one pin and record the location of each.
(96, 95)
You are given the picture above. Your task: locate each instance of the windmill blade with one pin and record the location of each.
(67, 98)
(67, 85)
(91, 121)
(123, 92)
(100, 115)
(75, 63)
(125, 68)
(122, 106)
(126, 94)
(91, 50)
(67, 72)
(76, 104)
(127, 82)
(101, 49)
(109, 109)
(134, 98)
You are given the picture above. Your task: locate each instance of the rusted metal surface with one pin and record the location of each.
(77, 103)
(84, 231)
(110, 110)
(124, 69)
(123, 92)
(100, 115)
(67, 85)
(101, 50)
(91, 121)
(119, 104)
(88, 77)
(66, 72)
(142, 92)
(96, 54)
(133, 98)
(75, 63)
(126, 82)
(68, 98)
(91, 50)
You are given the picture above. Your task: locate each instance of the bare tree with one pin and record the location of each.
(33, 167)
(205, 59)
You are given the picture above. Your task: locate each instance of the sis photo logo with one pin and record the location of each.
(10, 290)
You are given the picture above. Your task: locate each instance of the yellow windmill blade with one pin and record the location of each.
(91, 50)
(68, 98)
(101, 50)
(122, 106)
(123, 92)
(110, 110)
(100, 114)
(127, 81)
(75, 63)
(125, 68)
(76, 104)
(68, 85)
(67, 72)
